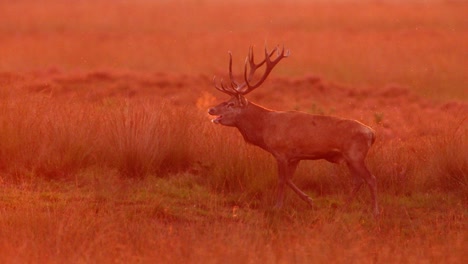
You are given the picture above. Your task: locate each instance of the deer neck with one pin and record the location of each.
(251, 124)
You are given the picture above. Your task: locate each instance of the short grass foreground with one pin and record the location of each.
(177, 220)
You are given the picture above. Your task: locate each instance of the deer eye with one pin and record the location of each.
(230, 104)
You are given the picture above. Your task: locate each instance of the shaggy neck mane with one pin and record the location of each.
(251, 124)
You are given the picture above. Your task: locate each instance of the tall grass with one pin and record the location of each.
(56, 138)
(449, 170)
(422, 165)
(40, 137)
(139, 138)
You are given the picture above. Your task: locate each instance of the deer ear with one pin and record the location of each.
(242, 100)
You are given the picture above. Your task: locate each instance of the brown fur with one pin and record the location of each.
(293, 136)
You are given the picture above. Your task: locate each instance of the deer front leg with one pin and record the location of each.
(292, 166)
(282, 171)
(286, 170)
(301, 194)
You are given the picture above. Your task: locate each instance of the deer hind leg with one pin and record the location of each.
(357, 183)
(361, 174)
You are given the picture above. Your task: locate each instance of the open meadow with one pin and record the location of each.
(108, 155)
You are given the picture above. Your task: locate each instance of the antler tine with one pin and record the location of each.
(279, 55)
(232, 90)
(234, 84)
(269, 67)
(267, 56)
(236, 88)
(223, 88)
(253, 67)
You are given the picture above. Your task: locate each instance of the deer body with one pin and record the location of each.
(298, 135)
(293, 136)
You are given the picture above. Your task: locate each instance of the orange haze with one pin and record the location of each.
(107, 154)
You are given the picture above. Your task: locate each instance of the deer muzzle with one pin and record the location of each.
(217, 119)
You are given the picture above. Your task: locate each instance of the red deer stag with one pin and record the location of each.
(293, 136)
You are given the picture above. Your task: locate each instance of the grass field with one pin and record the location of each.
(107, 154)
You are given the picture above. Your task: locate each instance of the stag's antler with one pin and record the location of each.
(228, 90)
(269, 66)
(237, 87)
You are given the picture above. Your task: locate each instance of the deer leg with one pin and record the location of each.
(286, 170)
(372, 183)
(357, 183)
(282, 170)
(280, 195)
(301, 194)
(291, 169)
(360, 171)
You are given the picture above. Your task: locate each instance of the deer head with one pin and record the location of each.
(228, 112)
